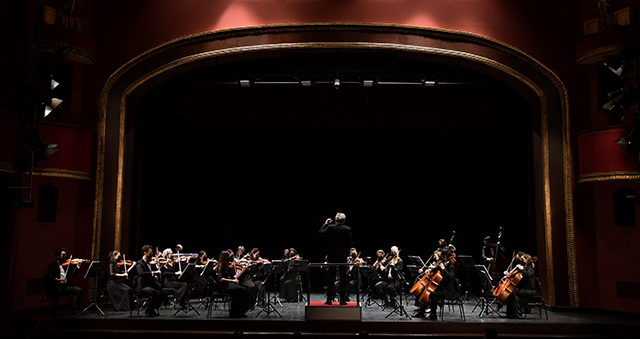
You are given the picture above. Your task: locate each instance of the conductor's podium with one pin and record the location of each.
(318, 310)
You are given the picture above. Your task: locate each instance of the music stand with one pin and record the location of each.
(278, 269)
(95, 267)
(466, 262)
(416, 260)
(183, 277)
(399, 308)
(370, 273)
(300, 266)
(485, 279)
(267, 307)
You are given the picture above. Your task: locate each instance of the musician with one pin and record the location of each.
(121, 294)
(171, 274)
(442, 244)
(239, 254)
(228, 283)
(57, 281)
(490, 249)
(254, 273)
(148, 283)
(290, 277)
(285, 254)
(445, 289)
(496, 262)
(340, 242)
(205, 275)
(392, 277)
(353, 274)
(516, 302)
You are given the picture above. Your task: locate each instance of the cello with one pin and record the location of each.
(510, 281)
(430, 282)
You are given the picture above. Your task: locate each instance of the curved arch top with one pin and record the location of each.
(535, 81)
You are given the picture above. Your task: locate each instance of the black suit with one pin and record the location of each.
(340, 243)
(149, 285)
(391, 280)
(55, 289)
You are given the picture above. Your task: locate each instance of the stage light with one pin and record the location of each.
(53, 90)
(336, 83)
(615, 95)
(40, 148)
(305, 83)
(622, 62)
(245, 83)
(367, 83)
(427, 83)
(620, 101)
(630, 143)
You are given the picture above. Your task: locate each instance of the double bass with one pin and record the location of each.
(499, 262)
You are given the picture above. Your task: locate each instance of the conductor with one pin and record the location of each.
(340, 243)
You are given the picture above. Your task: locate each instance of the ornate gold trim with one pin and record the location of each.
(61, 173)
(609, 176)
(600, 52)
(6, 167)
(433, 33)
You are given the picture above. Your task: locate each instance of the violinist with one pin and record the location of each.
(147, 281)
(205, 278)
(340, 242)
(516, 302)
(353, 274)
(239, 254)
(228, 283)
(171, 273)
(121, 294)
(250, 277)
(446, 287)
(57, 281)
(290, 278)
(392, 277)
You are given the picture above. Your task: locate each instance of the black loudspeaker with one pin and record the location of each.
(624, 209)
(47, 203)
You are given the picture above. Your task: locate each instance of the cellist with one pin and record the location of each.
(445, 289)
(526, 288)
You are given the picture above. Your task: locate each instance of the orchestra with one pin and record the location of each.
(157, 275)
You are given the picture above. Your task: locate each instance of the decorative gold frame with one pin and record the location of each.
(432, 33)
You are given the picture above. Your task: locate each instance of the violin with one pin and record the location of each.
(124, 262)
(74, 261)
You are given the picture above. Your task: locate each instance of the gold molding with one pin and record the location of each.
(609, 176)
(6, 167)
(61, 173)
(432, 33)
(598, 53)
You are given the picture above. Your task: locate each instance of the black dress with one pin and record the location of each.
(516, 302)
(239, 293)
(171, 281)
(120, 293)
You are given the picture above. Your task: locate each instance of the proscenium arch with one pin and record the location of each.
(534, 81)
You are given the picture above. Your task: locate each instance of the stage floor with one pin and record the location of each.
(290, 318)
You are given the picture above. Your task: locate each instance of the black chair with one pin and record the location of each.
(217, 299)
(537, 301)
(140, 300)
(457, 301)
(46, 281)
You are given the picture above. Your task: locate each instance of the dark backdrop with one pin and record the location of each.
(264, 167)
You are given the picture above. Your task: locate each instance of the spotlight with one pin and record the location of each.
(621, 100)
(615, 96)
(367, 83)
(245, 83)
(54, 87)
(631, 143)
(305, 83)
(39, 147)
(336, 83)
(427, 83)
(622, 62)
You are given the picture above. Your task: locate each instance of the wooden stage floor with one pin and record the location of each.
(290, 322)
